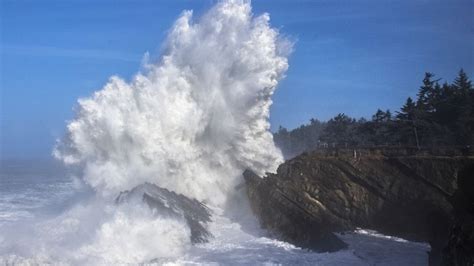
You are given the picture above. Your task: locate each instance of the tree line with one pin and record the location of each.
(441, 115)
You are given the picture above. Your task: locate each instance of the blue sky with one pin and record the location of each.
(350, 56)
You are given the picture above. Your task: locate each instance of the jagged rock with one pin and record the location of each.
(285, 217)
(169, 204)
(404, 196)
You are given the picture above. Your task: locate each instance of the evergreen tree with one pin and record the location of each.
(462, 82)
(407, 123)
(426, 94)
(407, 112)
(381, 116)
(464, 102)
(340, 131)
(379, 128)
(440, 115)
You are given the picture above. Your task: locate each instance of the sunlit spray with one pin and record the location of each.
(194, 120)
(191, 122)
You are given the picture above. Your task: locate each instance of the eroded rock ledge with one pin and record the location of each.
(169, 204)
(313, 195)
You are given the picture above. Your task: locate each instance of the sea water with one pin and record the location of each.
(32, 190)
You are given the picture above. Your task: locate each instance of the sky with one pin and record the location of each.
(349, 56)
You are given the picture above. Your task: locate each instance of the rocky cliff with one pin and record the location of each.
(313, 195)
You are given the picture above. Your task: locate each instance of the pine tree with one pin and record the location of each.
(407, 121)
(340, 131)
(464, 104)
(426, 93)
(407, 112)
(440, 115)
(462, 82)
(379, 128)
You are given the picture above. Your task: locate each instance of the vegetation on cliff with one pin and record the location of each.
(441, 115)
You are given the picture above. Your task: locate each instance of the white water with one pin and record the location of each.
(191, 122)
(62, 238)
(41, 234)
(194, 120)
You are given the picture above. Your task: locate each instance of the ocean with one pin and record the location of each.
(35, 192)
(31, 188)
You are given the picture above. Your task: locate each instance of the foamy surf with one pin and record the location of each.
(191, 122)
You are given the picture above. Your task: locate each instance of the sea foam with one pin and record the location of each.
(191, 122)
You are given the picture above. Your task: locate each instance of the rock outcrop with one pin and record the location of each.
(313, 195)
(166, 203)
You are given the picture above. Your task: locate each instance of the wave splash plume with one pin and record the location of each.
(191, 123)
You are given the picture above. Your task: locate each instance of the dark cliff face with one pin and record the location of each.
(284, 214)
(313, 195)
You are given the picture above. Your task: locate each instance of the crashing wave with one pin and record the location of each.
(189, 123)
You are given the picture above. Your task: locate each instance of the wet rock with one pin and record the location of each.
(312, 196)
(289, 217)
(166, 203)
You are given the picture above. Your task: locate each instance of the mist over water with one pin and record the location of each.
(191, 122)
